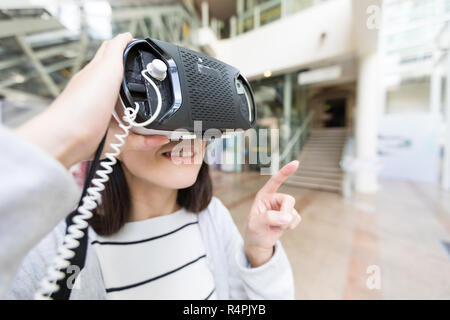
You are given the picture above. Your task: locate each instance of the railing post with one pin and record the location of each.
(240, 12)
(215, 26)
(205, 14)
(256, 17)
(284, 8)
(233, 26)
(287, 107)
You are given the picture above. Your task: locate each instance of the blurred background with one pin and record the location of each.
(359, 90)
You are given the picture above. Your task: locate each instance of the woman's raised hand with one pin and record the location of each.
(71, 128)
(272, 213)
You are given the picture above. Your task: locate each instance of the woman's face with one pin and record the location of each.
(174, 165)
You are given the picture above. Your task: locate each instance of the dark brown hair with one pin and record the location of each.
(115, 206)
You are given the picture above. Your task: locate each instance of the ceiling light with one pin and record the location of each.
(267, 73)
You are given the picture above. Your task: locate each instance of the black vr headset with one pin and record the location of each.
(188, 85)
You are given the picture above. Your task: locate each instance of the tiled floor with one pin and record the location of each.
(343, 244)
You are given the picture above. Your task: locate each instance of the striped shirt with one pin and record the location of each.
(158, 258)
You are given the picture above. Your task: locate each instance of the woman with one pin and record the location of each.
(158, 232)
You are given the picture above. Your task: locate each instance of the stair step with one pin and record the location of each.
(323, 151)
(317, 180)
(320, 161)
(327, 144)
(331, 148)
(326, 156)
(329, 133)
(313, 186)
(343, 138)
(321, 167)
(322, 142)
(309, 168)
(329, 136)
(319, 174)
(324, 131)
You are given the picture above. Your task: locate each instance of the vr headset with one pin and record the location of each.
(177, 86)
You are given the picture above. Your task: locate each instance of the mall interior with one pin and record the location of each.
(358, 89)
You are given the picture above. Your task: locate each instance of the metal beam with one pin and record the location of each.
(84, 42)
(143, 28)
(145, 12)
(132, 27)
(41, 54)
(190, 7)
(52, 87)
(10, 28)
(172, 27)
(54, 67)
(18, 95)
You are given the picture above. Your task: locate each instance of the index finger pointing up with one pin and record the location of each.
(277, 179)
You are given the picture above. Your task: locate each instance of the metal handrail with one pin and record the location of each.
(300, 132)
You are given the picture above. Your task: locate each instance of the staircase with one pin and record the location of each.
(319, 161)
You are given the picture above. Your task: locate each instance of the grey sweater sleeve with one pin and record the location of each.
(36, 192)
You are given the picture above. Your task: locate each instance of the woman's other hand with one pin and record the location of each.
(71, 128)
(272, 214)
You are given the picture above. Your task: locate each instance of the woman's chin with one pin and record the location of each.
(174, 182)
(174, 175)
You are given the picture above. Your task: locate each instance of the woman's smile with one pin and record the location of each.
(180, 153)
(180, 157)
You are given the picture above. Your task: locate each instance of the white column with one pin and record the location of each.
(368, 95)
(446, 164)
(205, 14)
(435, 92)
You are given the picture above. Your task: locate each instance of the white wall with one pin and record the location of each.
(292, 42)
(409, 98)
(409, 147)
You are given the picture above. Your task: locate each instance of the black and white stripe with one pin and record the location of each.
(158, 258)
(124, 243)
